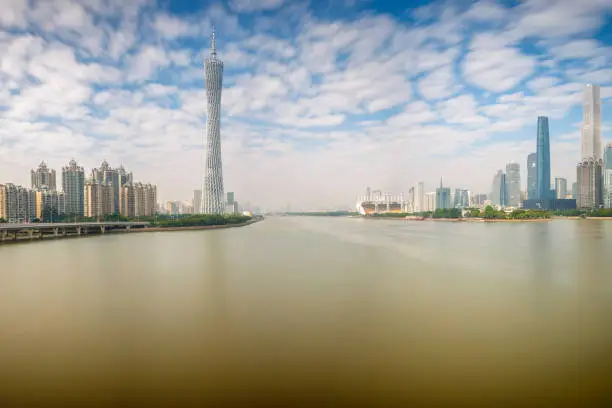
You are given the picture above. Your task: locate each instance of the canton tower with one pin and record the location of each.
(212, 189)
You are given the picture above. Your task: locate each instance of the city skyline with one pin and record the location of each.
(300, 117)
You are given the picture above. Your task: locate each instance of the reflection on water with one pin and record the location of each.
(316, 310)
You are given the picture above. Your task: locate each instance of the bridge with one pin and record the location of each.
(30, 231)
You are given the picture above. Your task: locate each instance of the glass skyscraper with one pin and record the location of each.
(543, 160)
(513, 184)
(532, 176)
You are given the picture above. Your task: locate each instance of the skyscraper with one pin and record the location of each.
(543, 160)
(43, 177)
(532, 175)
(498, 191)
(560, 188)
(591, 123)
(513, 184)
(197, 201)
(420, 197)
(73, 184)
(443, 199)
(212, 189)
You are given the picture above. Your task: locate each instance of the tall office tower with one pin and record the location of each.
(513, 184)
(560, 188)
(532, 175)
(607, 176)
(196, 202)
(212, 189)
(590, 183)
(368, 193)
(419, 203)
(73, 184)
(496, 196)
(591, 123)
(443, 194)
(503, 191)
(43, 177)
(575, 190)
(543, 160)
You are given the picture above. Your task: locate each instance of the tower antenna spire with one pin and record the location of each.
(213, 50)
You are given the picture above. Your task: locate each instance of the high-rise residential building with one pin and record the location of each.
(173, 207)
(49, 204)
(543, 160)
(419, 203)
(196, 203)
(532, 175)
(114, 177)
(126, 200)
(443, 197)
(43, 177)
(478, 200)
(17, 203)
(560, 188)
(212, 189)
(591, 145)
(590, 183)
(513, 184)
(99, 199)
(73, 184)
(145, 200)
(461, 198)
(607, 176)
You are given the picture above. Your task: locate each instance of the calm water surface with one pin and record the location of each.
(312, 310)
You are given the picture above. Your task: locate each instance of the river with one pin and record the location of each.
(318, 310)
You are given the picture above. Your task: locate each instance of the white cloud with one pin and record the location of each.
(172, 27)
(494, 66)
(13, 13)
(247, 6)
(462, 110)
(438, 84)
(486, 11)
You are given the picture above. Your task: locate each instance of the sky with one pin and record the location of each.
(320, 98)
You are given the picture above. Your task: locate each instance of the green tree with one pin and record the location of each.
(2, 221)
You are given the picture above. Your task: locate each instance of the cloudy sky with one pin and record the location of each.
(320, 99)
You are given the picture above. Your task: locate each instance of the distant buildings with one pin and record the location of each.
(419, 197)
(532, 175)
(543, 160)
(430, 202)
(498, 190)
(461, 198)
(196, 202)
(560, 188)
(607, 176)
(513, 185)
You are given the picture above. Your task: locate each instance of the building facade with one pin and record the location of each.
(513, 184)
(419, 197)
(430, 202)
(43, 177)
(532, 175)
(543, 160)
(498, 190)
(212, 189)
(73, 185)
(461, 198)
(590, 184)
(590, 138)
(98, 199)
(145, 200)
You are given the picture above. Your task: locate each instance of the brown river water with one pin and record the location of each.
(312, 311)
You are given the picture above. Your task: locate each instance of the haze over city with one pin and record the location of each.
(320, 99)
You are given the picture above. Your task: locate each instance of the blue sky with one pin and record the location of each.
(320, 99)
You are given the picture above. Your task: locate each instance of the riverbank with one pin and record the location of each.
(198, 227)
(463, 219)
